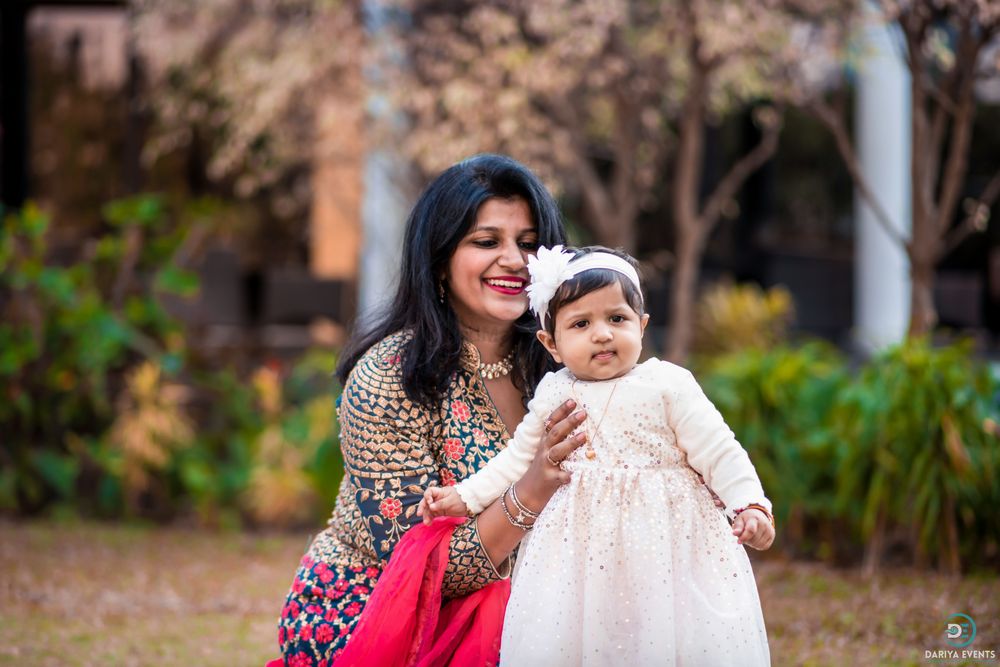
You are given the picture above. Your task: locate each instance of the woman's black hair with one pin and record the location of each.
(442, 216)
(592, 280)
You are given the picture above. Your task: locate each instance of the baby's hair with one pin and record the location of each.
(592, 280)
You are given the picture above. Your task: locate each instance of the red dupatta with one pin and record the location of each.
(404, 622)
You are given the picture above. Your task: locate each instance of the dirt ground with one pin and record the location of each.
(82, 594)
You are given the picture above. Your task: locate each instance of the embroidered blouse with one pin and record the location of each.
(393, 450)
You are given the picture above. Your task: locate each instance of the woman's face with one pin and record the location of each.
(487, 273)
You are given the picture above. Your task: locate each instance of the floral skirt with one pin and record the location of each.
(321, 611)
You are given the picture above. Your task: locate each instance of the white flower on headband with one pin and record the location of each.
(548, 270)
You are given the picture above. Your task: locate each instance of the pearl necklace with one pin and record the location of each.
(497, 369)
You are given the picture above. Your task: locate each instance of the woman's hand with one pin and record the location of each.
(545, 475)
(753, 528)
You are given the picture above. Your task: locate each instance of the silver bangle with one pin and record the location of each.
(516, 522)
(522, 511)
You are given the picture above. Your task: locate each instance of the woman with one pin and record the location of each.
(431, 393)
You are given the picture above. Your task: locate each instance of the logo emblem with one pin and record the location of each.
(960, 630)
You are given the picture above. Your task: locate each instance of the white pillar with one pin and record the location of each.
(383, 217)
(882, 135)
(387, 193)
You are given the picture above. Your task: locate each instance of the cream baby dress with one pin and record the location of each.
(631, 563)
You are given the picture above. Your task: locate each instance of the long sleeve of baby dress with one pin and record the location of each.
(479, 490)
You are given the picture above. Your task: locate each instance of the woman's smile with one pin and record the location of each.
(512, 285)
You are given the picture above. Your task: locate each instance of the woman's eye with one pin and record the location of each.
(485, 243)
(529, 245)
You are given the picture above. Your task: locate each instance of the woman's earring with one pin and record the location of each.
(441, 291)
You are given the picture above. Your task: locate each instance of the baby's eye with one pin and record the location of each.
(617, 319)
(579, 324)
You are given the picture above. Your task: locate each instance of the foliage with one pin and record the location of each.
(734, 317)
(778, 400)
(64, 345)
(296, 456)
(906, 446)
(150, 426)
(921, 449)
(108, 412)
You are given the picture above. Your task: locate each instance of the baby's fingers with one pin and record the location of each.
(764, 537)
(748, 529)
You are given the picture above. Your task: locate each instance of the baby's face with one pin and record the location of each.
(598, 336)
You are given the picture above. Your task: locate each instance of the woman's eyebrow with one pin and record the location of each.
(490, 228)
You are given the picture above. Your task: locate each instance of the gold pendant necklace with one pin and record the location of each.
(497, 369)
(591, 437)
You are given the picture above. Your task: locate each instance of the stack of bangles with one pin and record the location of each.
(756, 506)
(523, 513)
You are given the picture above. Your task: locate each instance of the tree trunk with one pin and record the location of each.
(683, 290)
(951, 559)
(873, 550)
(923, 314)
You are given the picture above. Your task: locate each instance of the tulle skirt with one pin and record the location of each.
(636, 567)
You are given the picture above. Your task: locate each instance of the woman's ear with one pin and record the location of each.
(546, 339)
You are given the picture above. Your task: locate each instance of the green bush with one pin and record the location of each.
(907, 446)
(920, 453)
(67, 334)
(778, 402)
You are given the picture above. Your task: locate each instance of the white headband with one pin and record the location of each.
(550, 268)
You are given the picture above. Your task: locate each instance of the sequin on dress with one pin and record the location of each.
(631, 563)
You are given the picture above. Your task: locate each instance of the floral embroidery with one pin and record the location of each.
(324, 634)
(460, 410)
(454, 448)
(479, 437)
(390, 508)
(447, 477)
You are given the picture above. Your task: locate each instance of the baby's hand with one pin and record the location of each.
(441, 501)
(753, 528)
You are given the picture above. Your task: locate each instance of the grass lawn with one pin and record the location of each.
(108, 594)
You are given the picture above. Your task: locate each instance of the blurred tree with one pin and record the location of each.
(599, 94)
(254, 88)
(578, 90)
(77, 139)
(945, 45)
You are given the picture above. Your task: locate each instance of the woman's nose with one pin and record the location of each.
(512, 257)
